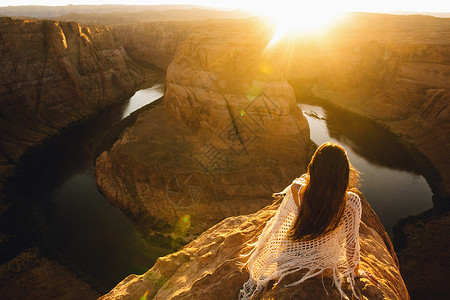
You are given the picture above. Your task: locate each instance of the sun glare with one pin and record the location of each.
(297, 18)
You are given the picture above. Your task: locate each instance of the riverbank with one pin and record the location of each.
(55, 74)
(32, 224)
(420, 233)
(379, 156)
(363, 66)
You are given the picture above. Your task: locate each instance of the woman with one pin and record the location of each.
(314, 229)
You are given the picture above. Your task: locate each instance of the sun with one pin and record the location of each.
(298, 18)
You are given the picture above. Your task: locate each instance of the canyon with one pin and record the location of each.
(399, 78)
(393, 69)
(227, 125)
(228, 133)
(53, 75)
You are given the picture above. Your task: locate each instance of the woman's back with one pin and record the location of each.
(314, 232)
(277, 254)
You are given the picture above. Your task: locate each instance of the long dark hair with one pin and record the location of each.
(324, 197)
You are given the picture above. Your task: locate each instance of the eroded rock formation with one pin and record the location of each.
(155, 43)
(207, 268)
(394, 69)
(31, 274)
(229, 135)
(53, 74)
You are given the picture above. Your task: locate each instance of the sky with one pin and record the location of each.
(343, 5)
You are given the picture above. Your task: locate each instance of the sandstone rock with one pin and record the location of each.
(153, 43)
(53, 74)
(207, 268)
(423, 246)
(394, 69)
(30, 274)
(163, 169)
(229, 134)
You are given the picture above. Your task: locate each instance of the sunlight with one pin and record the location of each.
(297, 18)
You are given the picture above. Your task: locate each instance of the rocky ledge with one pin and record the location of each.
(207, 268)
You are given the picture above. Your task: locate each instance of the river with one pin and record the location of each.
(389, 177)
(59, 207)
(63, 212)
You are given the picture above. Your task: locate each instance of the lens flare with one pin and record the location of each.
(265, 67)
(180, 230)
(144, 297)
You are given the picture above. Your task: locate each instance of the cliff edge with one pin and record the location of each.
(207, 268)
(395, 70)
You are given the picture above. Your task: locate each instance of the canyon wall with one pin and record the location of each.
(53, 74)
(228, 135)
(153, 44)
(207, 268)
(394, 69)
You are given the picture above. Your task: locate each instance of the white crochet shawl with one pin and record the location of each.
(276, 255)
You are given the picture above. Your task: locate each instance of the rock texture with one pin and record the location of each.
(53, 74)
(154, 43)
(423, 246)
(207, 268)
(229, 134)
(31, 274)
(394, 69)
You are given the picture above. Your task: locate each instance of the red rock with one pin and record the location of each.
(229, 134)
(207, 268)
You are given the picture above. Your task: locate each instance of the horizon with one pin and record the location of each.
(399, 7)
